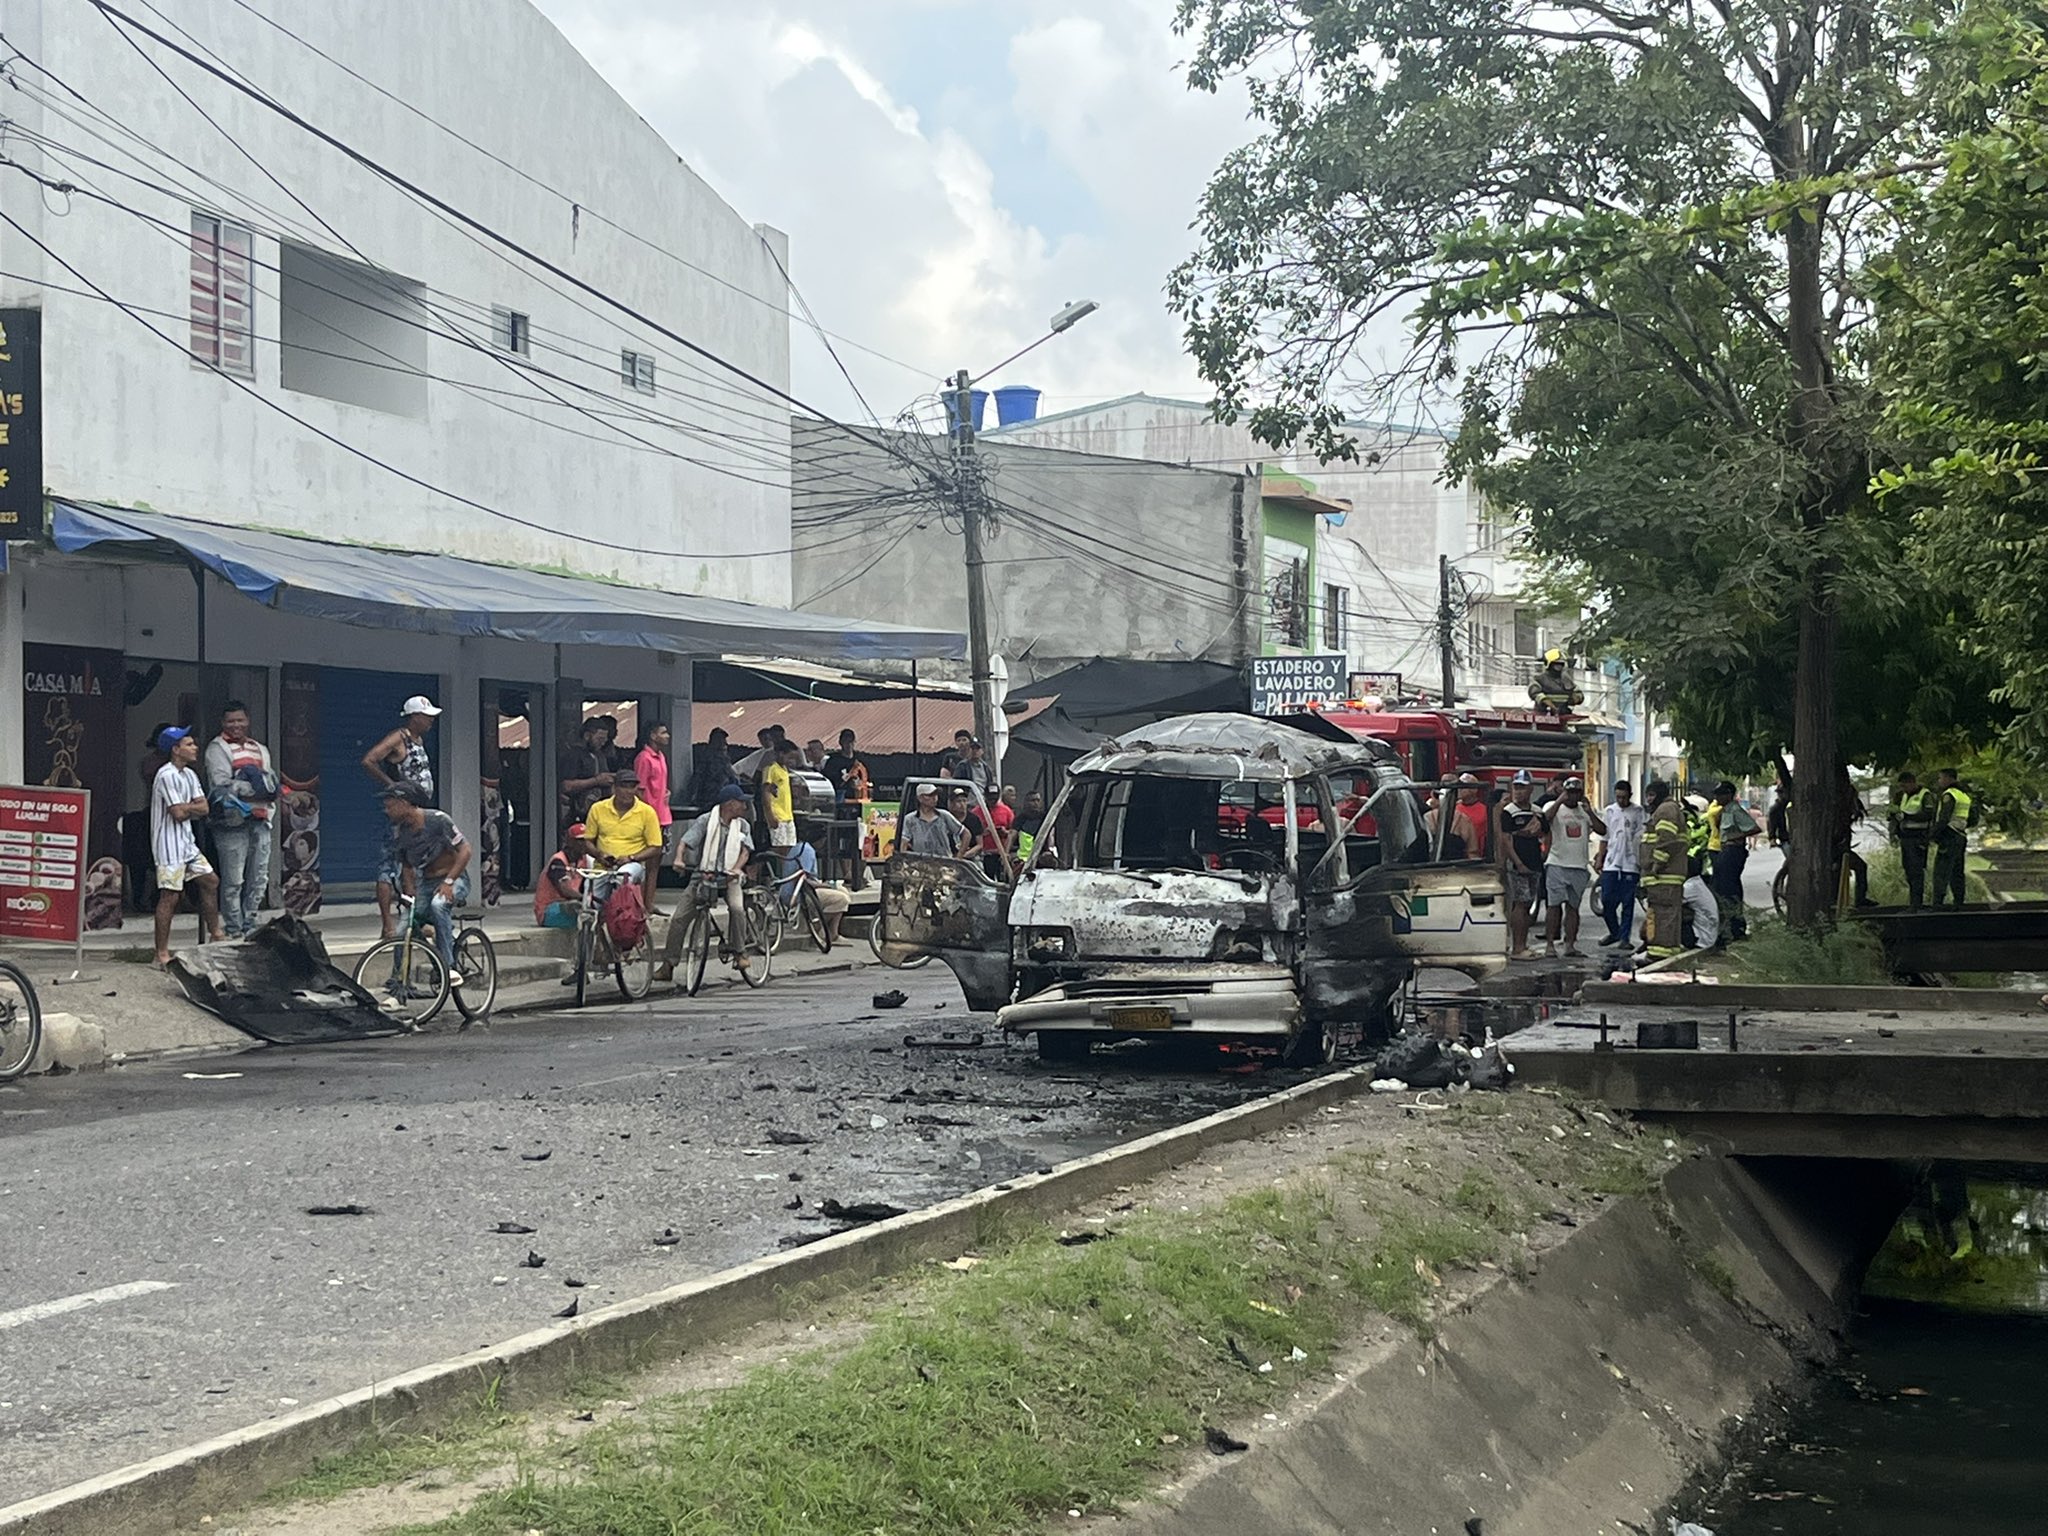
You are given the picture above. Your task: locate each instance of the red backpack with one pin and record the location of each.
(625, 916)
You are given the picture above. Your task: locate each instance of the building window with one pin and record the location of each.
(511, 331)
(350, 332)
(636, 371)
(1335, 601)
(1286, 599)
(223, 299)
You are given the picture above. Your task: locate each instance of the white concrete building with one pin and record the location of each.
(1373, 586)
(245, 327)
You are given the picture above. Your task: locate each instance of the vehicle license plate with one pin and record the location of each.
(1141, 1018)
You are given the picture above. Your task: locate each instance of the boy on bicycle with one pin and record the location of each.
(430, 843)
(717, 845)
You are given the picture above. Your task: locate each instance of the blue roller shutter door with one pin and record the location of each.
(356, 710)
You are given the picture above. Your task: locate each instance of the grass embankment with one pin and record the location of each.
(1042, 1377)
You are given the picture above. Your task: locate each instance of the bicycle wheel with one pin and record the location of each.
(634, 971)
(756, 945)
(586, 945)
(875, 944)
(408, 980)
(21, 1021)
(1778, 887)
(697, 950)
(476, 962)
(772, 916)
(813, 911)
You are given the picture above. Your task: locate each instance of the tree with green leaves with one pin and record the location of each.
(1631, 232)
(1963, 355)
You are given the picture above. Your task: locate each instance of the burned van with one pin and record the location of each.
(1211, 875)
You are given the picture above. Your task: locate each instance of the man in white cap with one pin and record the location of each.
(931, 831)
(401, 758)
(1518, 829)
(1567, 869)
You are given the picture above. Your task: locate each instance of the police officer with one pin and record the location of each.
(1951, 835)
(1665, 856)
(1912, 822)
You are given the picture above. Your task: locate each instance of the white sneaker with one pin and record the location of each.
(457, 979)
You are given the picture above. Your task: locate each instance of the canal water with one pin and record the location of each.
(1935, 1420)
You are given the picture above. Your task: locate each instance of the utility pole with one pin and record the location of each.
(1445, 631)
(968, 479)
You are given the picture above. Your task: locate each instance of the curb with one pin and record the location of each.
(172, 1491)
(1792, 997)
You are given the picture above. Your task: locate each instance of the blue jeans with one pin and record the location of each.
(1618, 900)
(441, 913)
(244, 856)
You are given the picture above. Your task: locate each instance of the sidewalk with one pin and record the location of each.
(121, 1008)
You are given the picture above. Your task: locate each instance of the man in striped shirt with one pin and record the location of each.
(176, 801)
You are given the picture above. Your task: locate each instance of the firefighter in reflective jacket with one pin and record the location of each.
(1553, 691)
(1952, 809)
(1664, 860)
(1912, 821)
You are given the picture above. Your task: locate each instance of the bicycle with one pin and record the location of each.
(756, 944)
(418, 975)
(21, 1021)
(805, 903)
(632, 972)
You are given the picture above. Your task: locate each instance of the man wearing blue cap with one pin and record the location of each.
(718, 846)
(176, 800)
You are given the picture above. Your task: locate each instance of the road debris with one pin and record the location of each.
(895, 997)
(1082, 1239)
(337, 1210)
(575, 1302)
(513, 1229)
(668, 1238)
(535, 1157)
(532, 1260)
(1220, 1443)
(860, 1211)
(945, 1042)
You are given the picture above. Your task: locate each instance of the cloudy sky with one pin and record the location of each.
(950, 172)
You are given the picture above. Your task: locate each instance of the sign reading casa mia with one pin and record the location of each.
(1283, 683)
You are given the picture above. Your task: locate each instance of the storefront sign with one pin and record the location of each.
(21, 424)
(1385, 685)
(42, 862)
(1284, 683)
(72, 706)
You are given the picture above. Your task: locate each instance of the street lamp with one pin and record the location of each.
(980, 669)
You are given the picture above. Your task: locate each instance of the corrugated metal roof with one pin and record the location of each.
(882, 725)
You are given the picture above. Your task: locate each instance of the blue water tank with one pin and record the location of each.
(977, 403)
(1016, 403)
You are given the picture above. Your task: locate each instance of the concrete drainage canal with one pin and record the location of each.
(1933, 1419)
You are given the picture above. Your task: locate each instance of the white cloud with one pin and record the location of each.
(928, 217)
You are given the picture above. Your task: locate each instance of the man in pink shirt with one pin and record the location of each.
(651, 764)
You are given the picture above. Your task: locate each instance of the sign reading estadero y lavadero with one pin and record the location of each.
(21, 424)
(42, 861)
(1283, 683)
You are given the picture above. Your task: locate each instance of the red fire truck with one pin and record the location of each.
(1436, 744)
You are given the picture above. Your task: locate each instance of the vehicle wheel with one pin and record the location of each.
(586, 954)
(814, 920)
(409, 981)
(1063, 1045)
(696, 950)
(21, 1022)
(1313, 1045)
(476, 962)
(759, 946)
(635, 971)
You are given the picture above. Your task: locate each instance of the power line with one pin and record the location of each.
(529, 177)
(363, 454)
(478, 226)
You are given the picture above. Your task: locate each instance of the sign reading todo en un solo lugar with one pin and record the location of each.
(42, 862)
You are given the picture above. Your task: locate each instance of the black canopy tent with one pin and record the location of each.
(1106, 697)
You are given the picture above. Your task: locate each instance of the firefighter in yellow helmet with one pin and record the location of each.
(1553, 691)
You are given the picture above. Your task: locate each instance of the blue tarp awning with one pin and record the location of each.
(432, 594)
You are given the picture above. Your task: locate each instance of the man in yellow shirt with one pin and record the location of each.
(625, 833)
(778, 801)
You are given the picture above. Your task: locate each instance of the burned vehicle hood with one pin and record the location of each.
(1229, 746)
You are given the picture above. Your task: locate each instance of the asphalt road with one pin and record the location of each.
(161, 1280)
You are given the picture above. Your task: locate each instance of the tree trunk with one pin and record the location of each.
(1810, 888)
